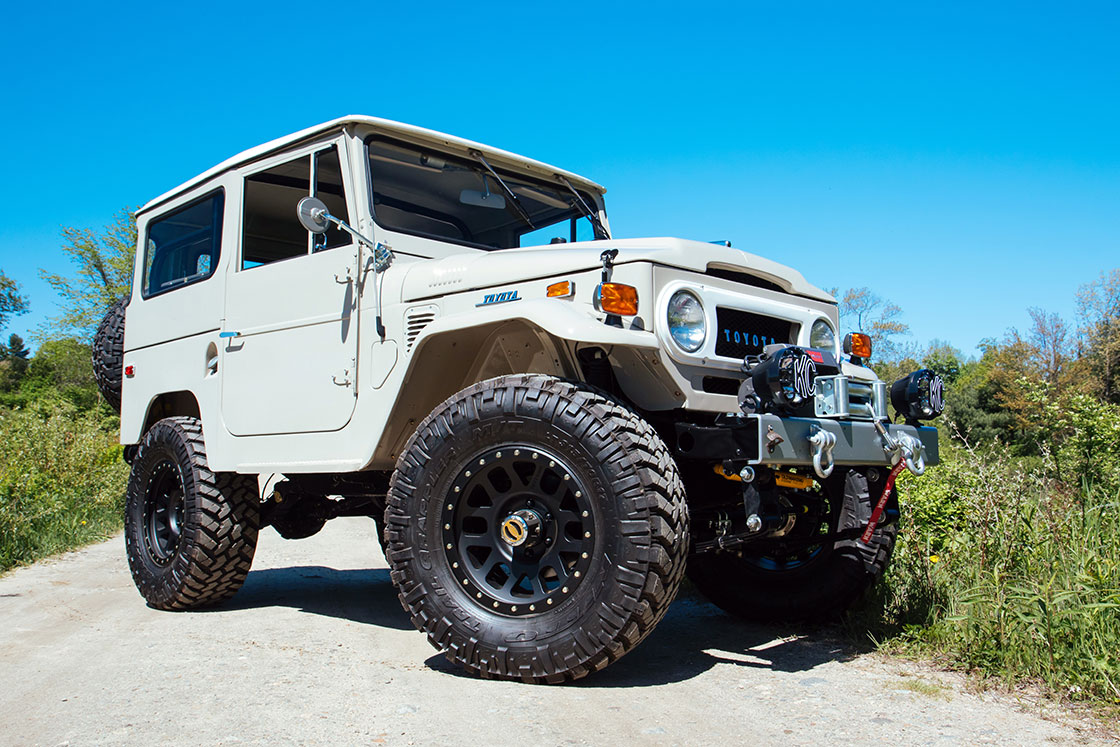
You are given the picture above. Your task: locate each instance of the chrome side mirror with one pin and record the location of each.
(313, 214)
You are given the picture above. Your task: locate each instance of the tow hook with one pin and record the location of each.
(823, 442)
(904, 450)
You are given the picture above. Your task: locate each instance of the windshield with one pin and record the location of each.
(430, 194)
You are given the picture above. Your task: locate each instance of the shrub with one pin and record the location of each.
(62, 480)
(1006, 571)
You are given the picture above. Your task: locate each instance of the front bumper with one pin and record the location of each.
(772, 440)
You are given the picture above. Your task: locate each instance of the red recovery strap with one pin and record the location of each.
(877, 514)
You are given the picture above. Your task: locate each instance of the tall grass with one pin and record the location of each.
(1007, 572)
(61, 481)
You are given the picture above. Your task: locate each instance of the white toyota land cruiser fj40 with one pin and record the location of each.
(545, 423)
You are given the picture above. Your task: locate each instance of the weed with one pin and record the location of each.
(61, 481)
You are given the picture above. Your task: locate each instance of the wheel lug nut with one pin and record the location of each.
(576, 574)
(532, 607)
(564, 590)
(584, 555)
(550, 601)
(448, 545)
(468, 473)
(585, 534)
(585, 514)
(446, 526)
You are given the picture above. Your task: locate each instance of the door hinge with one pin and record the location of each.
(346, 277)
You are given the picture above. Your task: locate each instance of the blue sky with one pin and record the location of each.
(961, 160)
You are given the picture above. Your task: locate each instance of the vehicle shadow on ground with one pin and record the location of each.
(362, 596)
(695, 636)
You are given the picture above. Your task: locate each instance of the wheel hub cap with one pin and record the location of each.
(521, 527)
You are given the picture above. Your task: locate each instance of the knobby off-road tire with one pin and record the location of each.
(593, 472)
(190, 533)
(818, 589)
(108, 353)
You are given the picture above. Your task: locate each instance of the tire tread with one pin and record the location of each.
(653, 497)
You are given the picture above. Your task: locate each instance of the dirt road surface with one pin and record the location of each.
(315, 649)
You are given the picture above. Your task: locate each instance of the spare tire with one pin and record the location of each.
(108, 354)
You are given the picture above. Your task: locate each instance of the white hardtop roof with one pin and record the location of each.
(385, 125)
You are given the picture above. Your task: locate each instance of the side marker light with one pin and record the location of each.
(563, 289)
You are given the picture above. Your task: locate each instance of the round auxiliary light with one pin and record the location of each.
(919, 396)
(787, 379)
(687, 324)
(822, 336)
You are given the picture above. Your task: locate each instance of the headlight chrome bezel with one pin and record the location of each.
(680, 340)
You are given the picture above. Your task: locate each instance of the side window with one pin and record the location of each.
(182, 247)
(270, 229)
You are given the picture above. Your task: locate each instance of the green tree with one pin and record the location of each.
(15, 354)
(62, 368)
(104, 262)
(1098, 305)
(12, 302)
(945, 360)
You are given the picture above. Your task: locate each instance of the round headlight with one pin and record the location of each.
(822, 336)
(686, 320)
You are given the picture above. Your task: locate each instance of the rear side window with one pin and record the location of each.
(183, 247)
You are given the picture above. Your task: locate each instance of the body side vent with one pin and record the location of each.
(415, 320)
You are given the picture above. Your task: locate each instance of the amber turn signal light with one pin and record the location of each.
(562, 289)
(616, 298)
(857, 345)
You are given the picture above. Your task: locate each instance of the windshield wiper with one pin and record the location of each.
(513, 201)
(600, 230)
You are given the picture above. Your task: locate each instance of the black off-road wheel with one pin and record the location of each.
(537, 530)
(190, 533)
(813, 584)
(108, 354)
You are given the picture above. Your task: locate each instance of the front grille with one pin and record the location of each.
(742, 333)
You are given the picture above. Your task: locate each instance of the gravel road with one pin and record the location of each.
(316, 650)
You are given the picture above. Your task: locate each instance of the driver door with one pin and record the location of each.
(290, 331)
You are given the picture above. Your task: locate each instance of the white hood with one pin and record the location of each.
(474, 270)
